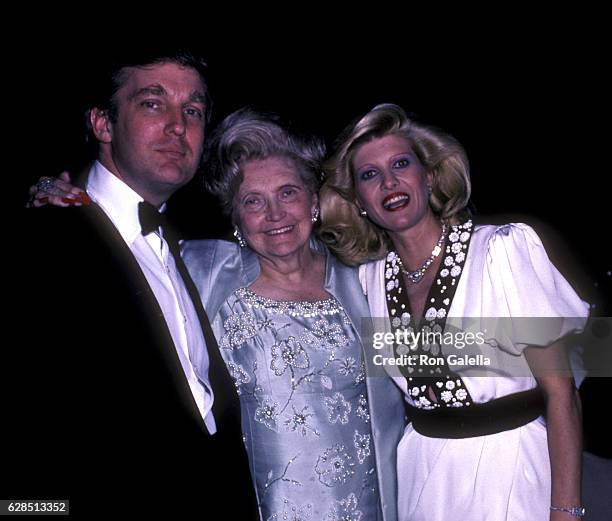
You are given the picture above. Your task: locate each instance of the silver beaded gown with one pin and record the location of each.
(300, 375)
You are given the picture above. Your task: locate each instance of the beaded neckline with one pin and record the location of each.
(304, 308)
(449, 389)
(449, 272)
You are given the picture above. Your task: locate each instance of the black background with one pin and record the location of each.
(525, 93)
(526, 103)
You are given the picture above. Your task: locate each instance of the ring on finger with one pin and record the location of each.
(45, 184)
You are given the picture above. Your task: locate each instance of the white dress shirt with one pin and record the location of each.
(120, 203)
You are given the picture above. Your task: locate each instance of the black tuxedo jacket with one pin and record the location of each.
(97, 407)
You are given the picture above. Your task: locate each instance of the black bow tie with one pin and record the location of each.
(150, 218)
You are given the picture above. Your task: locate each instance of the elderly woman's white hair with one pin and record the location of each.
(247, 135)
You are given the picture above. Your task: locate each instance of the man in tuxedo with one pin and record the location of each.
(118, 398)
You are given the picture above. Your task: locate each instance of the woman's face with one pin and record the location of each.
(391, 183)
(274, 207)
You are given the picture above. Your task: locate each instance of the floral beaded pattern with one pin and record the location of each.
(301, 308)
(346, 510)
(292, 511)
(300, 373)
(448, 389)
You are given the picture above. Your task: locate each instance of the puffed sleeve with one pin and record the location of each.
(519, 282)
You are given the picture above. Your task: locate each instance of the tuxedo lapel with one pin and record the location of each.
(94, 378)
(144, 298)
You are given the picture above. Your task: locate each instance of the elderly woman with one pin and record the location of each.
(287, 315)
(395, 200)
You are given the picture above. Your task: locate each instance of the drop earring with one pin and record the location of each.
(238, 236)
(315, 215)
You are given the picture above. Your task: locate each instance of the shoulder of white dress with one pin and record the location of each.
(368, 272)
(373, 266)
(489, 234)
(505, 230)
(363, 275)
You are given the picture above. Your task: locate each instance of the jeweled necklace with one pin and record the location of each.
(417, 275)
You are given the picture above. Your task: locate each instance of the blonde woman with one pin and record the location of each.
(396, 202)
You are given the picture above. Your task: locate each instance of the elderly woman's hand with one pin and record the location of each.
(57, 191)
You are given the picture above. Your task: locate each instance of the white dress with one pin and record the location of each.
(503, 476)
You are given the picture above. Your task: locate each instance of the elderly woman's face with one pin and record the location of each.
(391, 183)
(274, 208)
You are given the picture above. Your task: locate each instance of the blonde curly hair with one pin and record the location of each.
(355, 239)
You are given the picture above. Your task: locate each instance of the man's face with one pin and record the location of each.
(156, 142)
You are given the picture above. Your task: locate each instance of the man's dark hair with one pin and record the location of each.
(111, 75)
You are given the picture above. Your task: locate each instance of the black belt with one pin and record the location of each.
(479, 419)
